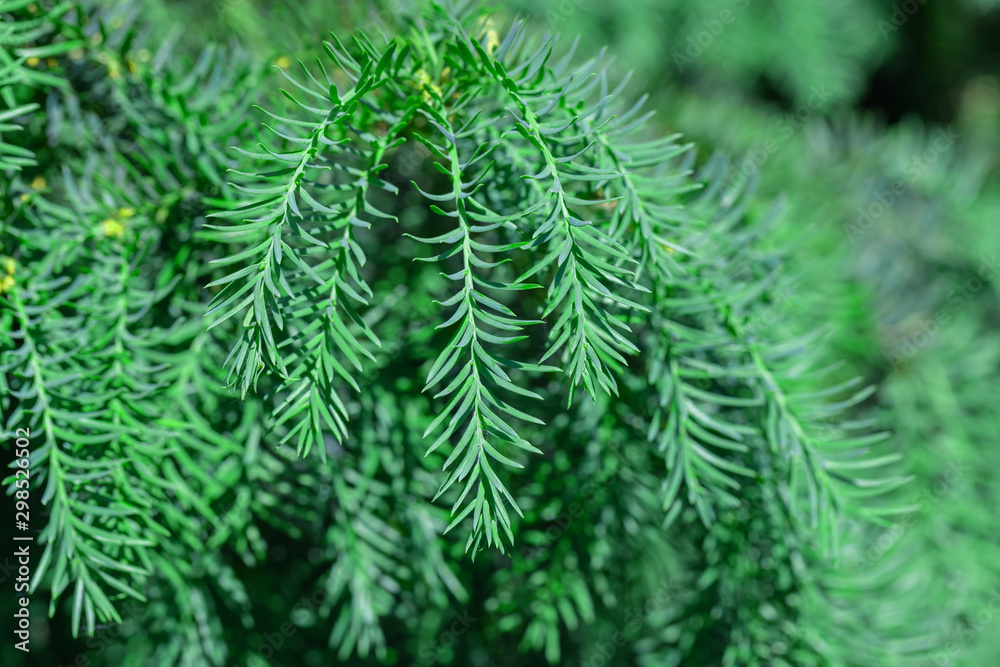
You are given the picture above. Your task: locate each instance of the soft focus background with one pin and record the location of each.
(878, 123)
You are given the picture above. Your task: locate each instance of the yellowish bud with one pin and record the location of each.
(112, 227)
(492, 41)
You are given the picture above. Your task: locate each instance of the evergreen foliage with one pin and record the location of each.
(436, 326)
